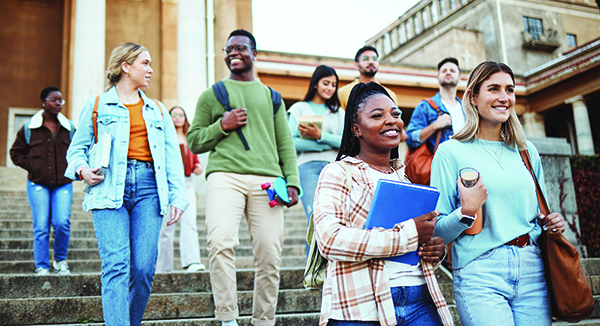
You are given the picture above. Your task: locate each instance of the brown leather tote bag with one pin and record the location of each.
(418, 161)
(570, 293)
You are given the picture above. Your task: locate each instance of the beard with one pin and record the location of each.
(367, 72)
(448, 83)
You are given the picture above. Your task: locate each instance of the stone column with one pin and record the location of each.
(226, 21)
(585, 143)
(88, 53)
(533, 125)
(191, 54)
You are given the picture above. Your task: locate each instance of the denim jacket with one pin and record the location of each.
(113, 118)
(423, 116)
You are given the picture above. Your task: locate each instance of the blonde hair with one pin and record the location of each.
(124, 52)
(511, 130)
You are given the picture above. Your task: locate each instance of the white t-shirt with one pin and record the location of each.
(400, 274)
(456, 113)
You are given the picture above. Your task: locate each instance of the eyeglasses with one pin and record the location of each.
(177, 115)
(56, 100)
(366, 58)
(240, 47)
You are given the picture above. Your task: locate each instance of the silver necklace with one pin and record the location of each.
(494, 156)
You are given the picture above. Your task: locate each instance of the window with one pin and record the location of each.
(442, 8)
(434, 12)
(534, 27)
(571, 40)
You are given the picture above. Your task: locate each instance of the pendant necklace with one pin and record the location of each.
(494, 156)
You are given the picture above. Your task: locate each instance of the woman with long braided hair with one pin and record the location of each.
(361, 288)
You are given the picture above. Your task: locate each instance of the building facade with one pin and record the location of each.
(66, 43)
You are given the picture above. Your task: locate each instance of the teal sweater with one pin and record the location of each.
(511, 208)
(269, 137)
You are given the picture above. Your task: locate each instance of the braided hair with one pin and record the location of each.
(358, 98)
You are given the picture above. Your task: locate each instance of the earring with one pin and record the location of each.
(43, 105)
(128, 75)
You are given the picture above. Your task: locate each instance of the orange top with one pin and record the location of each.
(139, 148)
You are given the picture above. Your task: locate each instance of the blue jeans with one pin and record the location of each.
(309, 176)
(50, 205)
(413, 305)
(504, 286)
(128, 246)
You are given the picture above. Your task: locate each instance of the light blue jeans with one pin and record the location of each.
(309, 177)
(413, 305)
(505, 286)
(50, 205)
(128, 246)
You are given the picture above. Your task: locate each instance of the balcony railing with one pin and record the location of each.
(545, 40)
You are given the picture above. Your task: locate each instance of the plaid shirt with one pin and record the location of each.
(356, 286)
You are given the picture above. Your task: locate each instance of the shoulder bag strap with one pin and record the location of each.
(95, 119)
(276, 99)
(540, 195)
(439, 133)
(161, 113)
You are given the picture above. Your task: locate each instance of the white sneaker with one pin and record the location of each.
(40, 271)
(61, 267)
(229, 323)
(195, 267)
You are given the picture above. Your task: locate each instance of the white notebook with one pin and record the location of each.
(99, 157)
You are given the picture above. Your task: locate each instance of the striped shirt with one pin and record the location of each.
(356, 286)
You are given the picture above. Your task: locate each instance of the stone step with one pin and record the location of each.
(587, 322)
(88, 284)
(295, 319)
(160, 307)
(8, 234)
(80, 243)
(94, 265)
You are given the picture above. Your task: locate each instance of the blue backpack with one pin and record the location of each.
(223, 98)
(28, 131)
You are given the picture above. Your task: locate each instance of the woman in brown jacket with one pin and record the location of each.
(41, 149)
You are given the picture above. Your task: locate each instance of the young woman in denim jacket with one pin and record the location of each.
(40, 148)
(129, 200)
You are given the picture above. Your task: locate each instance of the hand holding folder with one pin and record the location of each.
(395, 202)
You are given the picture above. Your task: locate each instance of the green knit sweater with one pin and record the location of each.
(269, 138)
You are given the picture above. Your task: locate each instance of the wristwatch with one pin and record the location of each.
(78, 176)
(466, 219)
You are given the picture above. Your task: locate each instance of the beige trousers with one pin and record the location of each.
(230, 197)
(189, 247)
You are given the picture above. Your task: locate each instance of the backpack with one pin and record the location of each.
(28, 131)
(418, 161)
(223, 98)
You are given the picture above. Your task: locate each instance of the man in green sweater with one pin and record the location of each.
(234, 178)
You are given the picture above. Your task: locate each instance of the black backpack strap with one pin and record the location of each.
(276, 99)
(223, 98)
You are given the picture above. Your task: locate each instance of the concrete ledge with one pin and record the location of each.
(552, 146)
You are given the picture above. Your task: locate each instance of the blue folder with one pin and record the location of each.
(396, 202)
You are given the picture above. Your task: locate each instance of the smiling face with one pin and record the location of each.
(178, 117)
(449, 74)
(140, 70)
(53, 103)
(378, 125)
(368, 63)
(495, 100)
(241, 57)
(326, 87)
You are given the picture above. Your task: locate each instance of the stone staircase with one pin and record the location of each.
(178, 298)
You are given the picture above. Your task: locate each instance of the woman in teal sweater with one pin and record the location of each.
(316, 146)
(498, 273)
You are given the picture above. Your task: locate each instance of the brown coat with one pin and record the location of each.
(43, 158)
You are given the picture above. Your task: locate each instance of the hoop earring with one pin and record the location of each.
(43, 105)
(128, 75)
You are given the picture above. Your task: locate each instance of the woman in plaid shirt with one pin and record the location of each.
(360, 287)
